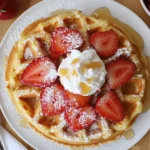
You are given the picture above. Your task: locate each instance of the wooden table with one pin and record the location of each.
(134, 5)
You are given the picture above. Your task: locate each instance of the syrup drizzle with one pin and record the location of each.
(146, 105)
(129, 134)
(23, 123)
(76, 148)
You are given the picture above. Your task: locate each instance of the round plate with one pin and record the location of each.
(43, 9)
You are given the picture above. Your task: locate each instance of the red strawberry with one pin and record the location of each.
(110, 107)
(54, 55)
(3, 3)
(40, 72)
(80, 118)
(119, 72)
(105, 43)
(64, 40)
(52, 100)
(9, 11)
(76, 100)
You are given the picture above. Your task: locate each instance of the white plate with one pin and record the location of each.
(43, 9)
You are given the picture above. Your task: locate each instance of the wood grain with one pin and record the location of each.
(23, 5)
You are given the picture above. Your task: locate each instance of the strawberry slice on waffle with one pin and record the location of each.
(64, 40)
(105, 43)
(40, 72)
(52, 100)
(80, 118)
(76, 100)
(119, 72)
(110, 107)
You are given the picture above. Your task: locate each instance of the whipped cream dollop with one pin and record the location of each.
(82, 72)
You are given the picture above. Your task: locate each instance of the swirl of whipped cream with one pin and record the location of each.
(82, 72)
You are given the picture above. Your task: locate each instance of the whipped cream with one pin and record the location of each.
(82, 72)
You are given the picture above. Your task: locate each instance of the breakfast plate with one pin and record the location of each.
(43, 9)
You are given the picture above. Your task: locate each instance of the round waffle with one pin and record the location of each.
(35, 42)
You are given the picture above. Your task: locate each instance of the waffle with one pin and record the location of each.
(35, 42)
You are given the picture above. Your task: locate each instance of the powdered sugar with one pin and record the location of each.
(68, 38)
(53, 96)
(94, 126)
(120, 52)
(52, 100)
(52, 75)
(87, 116)
(28, 53)
(49, 70)
(75, 40)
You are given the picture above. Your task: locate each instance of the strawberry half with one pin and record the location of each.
(80, 118)
(64, 40)
(54, 55)
(3, 3)
(76, 100)
(9, 11)
(52, 100)
(110, 107)
(119, 72)
(105, 43)
(40, 72)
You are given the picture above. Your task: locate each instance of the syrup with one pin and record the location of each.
(129, 134)
(85, 89)
(91, 65)
(63, 71)
(76, 60)
(24, 123)
(74, 72)
(146, 105)
(76, 148)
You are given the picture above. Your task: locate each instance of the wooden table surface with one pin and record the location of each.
(134, 5)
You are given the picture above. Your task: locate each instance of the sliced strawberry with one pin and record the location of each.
(40, 72)
(64, 40)
(80, 118)
(9, 11)
(105, 43)
(3, 3)
(54, 55)
(76, 100)
(52, 100)
(119, 72)
(110, 107)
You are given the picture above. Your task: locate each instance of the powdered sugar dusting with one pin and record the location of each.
(52, 75)
(94, 126)
(88, 114)
(52, 100)
(79, 118)
(120, 52)
(75, 40)
(69, 38)
(49, 72)
(28, 53)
